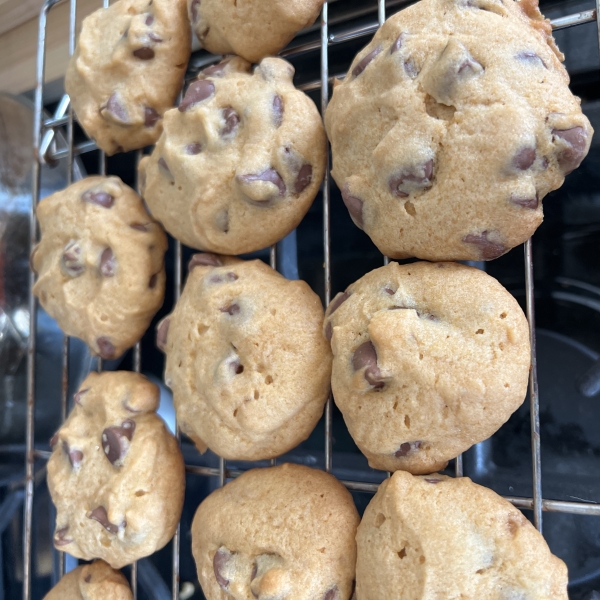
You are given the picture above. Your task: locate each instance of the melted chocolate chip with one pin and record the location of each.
(530, 57)
(138, 226)
(72, 259)
(204, 259)
(487, 248)
(144, 53)
(268, 175)
(337, 302)
(88, 578)
(194, 6)
(150, 117)
(162, 330)
(432, 480)
(524, 158)
(155, 37)
(115, 440)
(332, 594)
(231, 119)
(220, 560)
(410, 68)
(60, 537)
(407, 448)
(105, 347)
(364, 62)
(98, 197)
(116, 110)
(77, 396)
(99, 514)
(108, 263)
(231, 309)
(303, 178)
(162, 163)
(193, 148)
(398, 43)
(214, 70)
(365, 357)
(570, 158)
(354, 206)
(404, 183)
(75, 456)
(149, 20)
(232, 276)
(277, 110)
(198, 91)
(532, 203)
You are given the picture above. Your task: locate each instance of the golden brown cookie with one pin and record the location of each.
(96, 581)
(246, 360)
(428, 359)
(251, 29)
(436, 537)
(280, 532)
(127, 70)
(116, 474)
(239, 162)
(451, 126)
(100, 263)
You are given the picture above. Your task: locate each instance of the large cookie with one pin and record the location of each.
(127, 70)
(116, 474)
(240, 161)
(451, 126)
(428, 359)
(100, 263)
(280, 532)
(96, 581)
(246, 359)
(251, 29)
(436, 537)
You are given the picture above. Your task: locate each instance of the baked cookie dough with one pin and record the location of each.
(251, 29)
(246, 359)
(100, 263)
(96, 581)
(116, 474)
(279, 532)
(438, 537)
(451, 126)
(428, 359)
(127, 70)
(240, 161)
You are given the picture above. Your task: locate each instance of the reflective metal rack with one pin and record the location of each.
(42, 135)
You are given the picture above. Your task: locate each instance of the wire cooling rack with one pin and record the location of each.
(43, 131)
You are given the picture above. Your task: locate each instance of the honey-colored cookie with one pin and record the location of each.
(451, 126)
(428, 359)
(96, 581)
(116, 474)
(100, 263)
(127, 70)
(436, 537)
(239, 162)
(251, 29)
(280, 532)
(246, 359)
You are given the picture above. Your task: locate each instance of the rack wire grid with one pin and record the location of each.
(42, 133)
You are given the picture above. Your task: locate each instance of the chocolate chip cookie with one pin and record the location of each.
(246, 360)
(96, 581)
(100, 263)
(451, 126)
(127, 70)
(438, 537)
(240, 161)
(428, 359)
(280, 532)
(116, 474)
(252, 29)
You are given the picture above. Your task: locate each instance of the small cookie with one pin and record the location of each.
(428, 359)
(451, 126)
(96, 581)
(246, 360)
(240, 161)
(100, 263)
(438, 537)
(252, 29)
(127, 70)
(280, 532)
(116, 474)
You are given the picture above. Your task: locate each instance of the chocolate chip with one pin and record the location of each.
(570, 158)
(389, 291)
(222, 220)
(150, 117)
(328, 331)
(407, 448)
(220, 560)
(138, 226)
(162, 330)
(254, 572)
(153, 280)
(54, 440)
(155, 37)
(232, 276)
(108, 263)
(410, 68)
(144, 53)
(398, 43)
(432, 480)
(98, 197)
(73, 262)
(303, 178)
(75, 456)
(339, 299)
(238, 369)
(365, 357)
(231, 309)
(354, 206)
(193, 148)
(277, 110)
(99, 514)
(162, 163)
(524, 158)
(470, 67)
(194, 6)
(487, 248)
(418, 178)
(105, 347)
(198, 91)
(530, 57)
(60, 538)
(364, 62)
(231, 119)
(332, 594)
(77, 396)
(115, 440)
(149, 20)
(116, 110)
(268, 175)
(204, 259)
(214, 70)
(532, 203)
(88, 578)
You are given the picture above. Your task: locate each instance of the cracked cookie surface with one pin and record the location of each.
(451, 126)
(438, 537)
(278, 532)
(116, 474)
(240, 160)
(246, 359)
(127, 70)
(100, 263)
(428, 359)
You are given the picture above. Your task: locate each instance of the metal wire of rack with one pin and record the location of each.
(43, 149)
